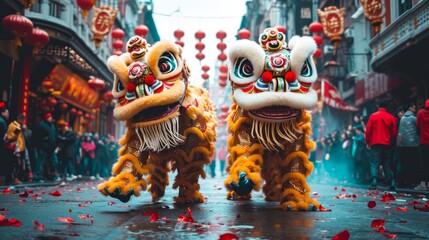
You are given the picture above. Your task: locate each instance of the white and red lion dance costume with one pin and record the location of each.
(269, 124)
(170, 123)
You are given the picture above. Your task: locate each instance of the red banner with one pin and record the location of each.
(374, 85)
(332, 98)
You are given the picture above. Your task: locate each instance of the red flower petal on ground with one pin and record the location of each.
(39, 226)
(425, 208)
(404, 209)
(4, 222)
(228, 236)
(66, 220)
(24, 195)
(371, 204)
(343, 189)
(323, 209)
(153, 215)
(377, 223)
(111, 203)
(79, 189)
(6, 191)
(388, 235)
(382, 229)
(70, 210)
(22, 200)
(55, 193)
(387, 197)
(184, 218)
(335, 188)
(344, 235)
(74, 234)
(35, 195)
(4, 209)
(30, 191)
(341, 195)
(84, 216)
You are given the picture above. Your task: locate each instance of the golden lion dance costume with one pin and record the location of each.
(268, 123)
(170, 124)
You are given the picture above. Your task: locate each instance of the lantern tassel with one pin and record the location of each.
(17, 41)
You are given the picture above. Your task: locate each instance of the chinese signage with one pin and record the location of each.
(73, 88)
(102, 23)
(332, 98)
(303, 18)
(374, 85)
(332, 20)
(374, 11)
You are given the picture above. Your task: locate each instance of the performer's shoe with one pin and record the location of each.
(244, 186)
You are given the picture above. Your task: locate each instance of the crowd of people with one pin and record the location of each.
(381, 149)
(52, 151)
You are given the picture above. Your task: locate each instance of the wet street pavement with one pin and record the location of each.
(77, 211)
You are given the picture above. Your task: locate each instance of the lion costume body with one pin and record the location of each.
(170, 124)
(269, 125)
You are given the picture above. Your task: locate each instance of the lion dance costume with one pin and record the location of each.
(269, 125)
(170, 124)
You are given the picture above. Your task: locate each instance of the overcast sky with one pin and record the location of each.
(209, 16)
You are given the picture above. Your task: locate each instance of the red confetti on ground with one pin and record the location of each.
(343, 189)
(111, 203)
(228, 236)
(335, 188)
(117, 222)
(388, 235)
(70, 210)
(322, 209)
(382, 229)
(4, 209)
(371, 204)
(404, 209)
(56, 193)
(425, 208)
(39, 226)
(79, 189)
(74, 234)
(84, 216)
(66, 220)
(24, 195)
(377, 223)
(153, 215)
(387, 197)
(184, 218)
(6, 191)
(344, 235)
(92, 220)
(35, 195)
(343, 195)
(29, 191)
(22, 200)
(43, 192)
(4, 222)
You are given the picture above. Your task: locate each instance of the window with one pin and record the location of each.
(404, 5)
(36, 7)
(55, 9)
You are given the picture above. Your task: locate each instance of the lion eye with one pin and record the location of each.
(305, 70)
(243, 68)
(167, 63)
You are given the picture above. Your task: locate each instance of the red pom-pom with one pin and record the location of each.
(149, 80)
(267, 77)
(290, 76)
(131, 87)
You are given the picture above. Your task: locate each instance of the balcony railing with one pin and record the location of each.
(403, 32)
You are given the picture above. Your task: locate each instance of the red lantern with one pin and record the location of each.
(200, 35)
(52, 102)
(223, 68)
(200, 46)
(92, 118)
(205, 68)
(87, 116)
(205, 76)
(222, 83)
(224, 108)
(85, 6)
(64, 106)
(316, 27)
(141, 30)
(200, 56)
(37, 38)
(96, 83)
(179, 34)
(108, 95)
(317, 53)
(221, 46)
(223, 76)
(281, 29)
(18, 25)
(118, 44)
(221, 34)
(73, 111)
(180, 43)
(47, 83)
(222, 57)
(244, 34)
(79, 113)
(118, 33)
(318, 40)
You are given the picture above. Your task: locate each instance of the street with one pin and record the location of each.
(77, 211)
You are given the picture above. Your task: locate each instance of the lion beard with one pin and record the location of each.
(160, 136)
(271, 134)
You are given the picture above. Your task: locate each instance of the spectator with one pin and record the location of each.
(380, 130)
(46, 140)
(359, 156)
(213, 164)
(408, 146)
(396, 163)
(87, 157)
(222, 158)
(113, 151)
(66, 151)
(28, 136)
(101, 158)
(4, 152)
(422, 124)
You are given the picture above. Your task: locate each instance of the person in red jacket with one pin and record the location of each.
(380, 131)
(422, 124)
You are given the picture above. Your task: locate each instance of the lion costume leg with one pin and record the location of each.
(127, 172)
(158, 178)
(272, 174)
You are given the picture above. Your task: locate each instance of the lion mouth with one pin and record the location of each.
(156, 113)
(273, 44)
(277, 113)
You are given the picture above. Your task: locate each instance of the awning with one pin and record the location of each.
(332, 97)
